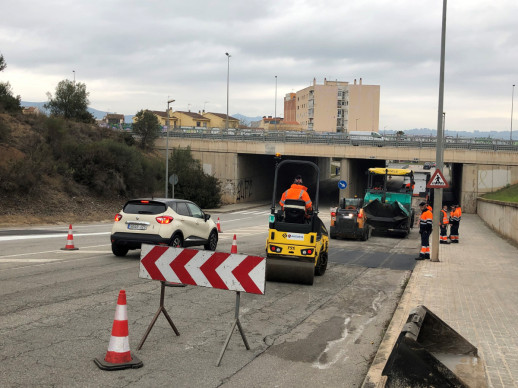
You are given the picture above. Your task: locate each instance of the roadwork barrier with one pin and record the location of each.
(226, 271)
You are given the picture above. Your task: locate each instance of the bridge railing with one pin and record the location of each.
(310, 137)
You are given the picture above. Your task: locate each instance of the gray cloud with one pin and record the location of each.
(135, 55)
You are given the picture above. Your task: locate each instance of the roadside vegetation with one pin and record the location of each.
(64, 167)
(507, 194)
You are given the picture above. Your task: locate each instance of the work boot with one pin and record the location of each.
(420, 258)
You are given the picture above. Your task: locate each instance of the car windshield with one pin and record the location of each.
(144, 207)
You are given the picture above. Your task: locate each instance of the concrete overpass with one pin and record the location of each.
(245, 164)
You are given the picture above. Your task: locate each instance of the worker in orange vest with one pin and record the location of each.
(425, 229)
(455, 216)
(297, 191)
(444, 221)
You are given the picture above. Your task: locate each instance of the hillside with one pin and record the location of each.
(35, 187)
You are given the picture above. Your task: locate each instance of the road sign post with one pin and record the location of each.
(173, 180)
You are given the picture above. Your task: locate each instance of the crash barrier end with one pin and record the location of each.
(428, 353)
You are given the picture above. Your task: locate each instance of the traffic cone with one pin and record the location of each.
(118, 355)
(70, 241)
(234, 246)
(219, 226)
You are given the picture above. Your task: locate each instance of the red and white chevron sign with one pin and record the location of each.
(203, 268)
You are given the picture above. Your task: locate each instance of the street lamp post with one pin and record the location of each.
(228, 78)
(512, 106)
(73, 71)
(439, 151)
(167, 148)
(275, 113)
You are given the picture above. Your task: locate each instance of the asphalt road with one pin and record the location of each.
(58, 307)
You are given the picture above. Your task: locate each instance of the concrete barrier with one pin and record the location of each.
(500, 216)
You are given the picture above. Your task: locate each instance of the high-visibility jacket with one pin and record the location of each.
(425, 221)
(297, 192)
(428, 207)
(444, 219)
(456, 214)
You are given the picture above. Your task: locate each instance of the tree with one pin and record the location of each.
(8, 101)
(70, 102)
(193, 183)
(147, 127)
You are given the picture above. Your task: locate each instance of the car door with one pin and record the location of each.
(185, 219)
(202, 228)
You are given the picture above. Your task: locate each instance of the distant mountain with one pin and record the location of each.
(98, 114)
(432, 132)
(247, 119)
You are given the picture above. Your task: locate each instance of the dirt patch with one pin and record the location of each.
(54, 207)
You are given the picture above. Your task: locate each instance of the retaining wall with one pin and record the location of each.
(502, 217)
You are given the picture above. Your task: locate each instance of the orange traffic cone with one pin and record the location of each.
(219, 226)
(70, 241)
(118, 355)
(234, 246)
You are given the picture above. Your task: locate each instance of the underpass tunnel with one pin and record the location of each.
(354, 173)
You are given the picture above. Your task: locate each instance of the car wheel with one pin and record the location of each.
(212, 242)
(119, 250)
(176, 241)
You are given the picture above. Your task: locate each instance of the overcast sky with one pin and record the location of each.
(136, 55)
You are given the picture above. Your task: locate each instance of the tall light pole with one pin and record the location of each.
(275, 103)
(512, 106)
(167, 148)
(228, 78)
(439, 151)
(73, 71)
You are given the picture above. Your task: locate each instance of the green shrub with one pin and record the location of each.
(193, 183)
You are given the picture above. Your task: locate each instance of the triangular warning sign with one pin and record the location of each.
(437, 181)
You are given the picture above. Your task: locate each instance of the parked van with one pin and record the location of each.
(358, 137)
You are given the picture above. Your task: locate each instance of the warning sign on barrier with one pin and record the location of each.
(221, 270)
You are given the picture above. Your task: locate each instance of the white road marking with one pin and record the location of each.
(19, 261)
(38, 236)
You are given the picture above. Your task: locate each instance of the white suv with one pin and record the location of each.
(173, 222)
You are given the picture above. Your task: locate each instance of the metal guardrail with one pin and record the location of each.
(343, 139)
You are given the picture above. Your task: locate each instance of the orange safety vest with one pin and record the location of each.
(445, 220)
(456, 214)
(297, 192)
(425, 220)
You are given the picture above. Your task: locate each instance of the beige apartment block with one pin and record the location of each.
(338, 106)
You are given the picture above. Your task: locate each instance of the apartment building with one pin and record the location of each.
(338, 106)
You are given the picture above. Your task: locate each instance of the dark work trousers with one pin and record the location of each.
(454, 231)
(444, 232)
(425, 245)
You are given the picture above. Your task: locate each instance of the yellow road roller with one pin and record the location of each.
(297, 243)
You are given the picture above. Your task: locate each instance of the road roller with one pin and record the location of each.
(298, 241)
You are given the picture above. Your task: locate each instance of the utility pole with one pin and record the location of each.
(439, 152)
(228, 79)
(167, 148)
(275, 114)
